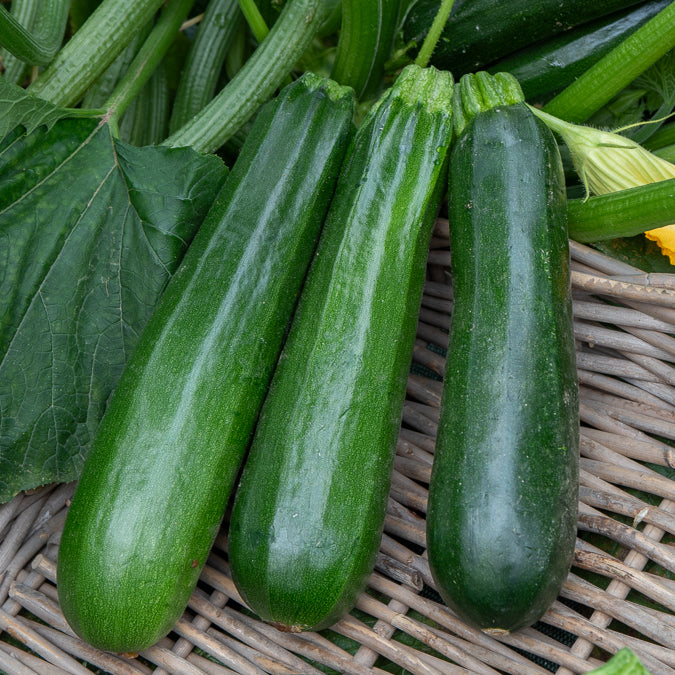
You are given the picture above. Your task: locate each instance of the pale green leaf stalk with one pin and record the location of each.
(254, 19)
(266, 69)
(24, 12)
(88, 53)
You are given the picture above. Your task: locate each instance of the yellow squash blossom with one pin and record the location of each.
(608, 162)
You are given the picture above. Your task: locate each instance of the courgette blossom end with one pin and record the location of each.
(608, 162)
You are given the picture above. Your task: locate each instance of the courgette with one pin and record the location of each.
(309, 510)
(501, 521)
(547, 67)
(479, 32)
(155, 485)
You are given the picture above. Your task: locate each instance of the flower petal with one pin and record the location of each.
(665, 238)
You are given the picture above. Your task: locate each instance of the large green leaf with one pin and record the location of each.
(18, 107)
(91, 229)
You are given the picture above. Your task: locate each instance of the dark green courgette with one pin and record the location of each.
(502, 511)
(309, 511)
(547, 67)
(155, 485)
(479, 32)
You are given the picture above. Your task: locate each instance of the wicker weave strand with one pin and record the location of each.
(620, 592)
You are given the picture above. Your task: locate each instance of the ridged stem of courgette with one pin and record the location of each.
(149, 55)
(257, 80)
(199, 76)
(147, 118)
(24, 12)
(92, 49)
(309, 510)
(159, 474)
(38, 45)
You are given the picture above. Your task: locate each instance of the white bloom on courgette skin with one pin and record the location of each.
(608, 162)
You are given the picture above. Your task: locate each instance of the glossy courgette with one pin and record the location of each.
(502, 510)
(549, 66)
(155, 485)
(309, 511)
(479, 32)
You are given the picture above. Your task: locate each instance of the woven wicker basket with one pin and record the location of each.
(621, 591)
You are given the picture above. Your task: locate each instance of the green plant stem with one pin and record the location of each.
(24, 12)
(434, 33)
(92, 49)
(254, 19)
(145, 121)
(129, 128)
(266, 68)
(616, 70)
(625, 213)
(39, 45)
(98, 94)
(199, 77)
(365, 42)
(149, 55)
(157, 124)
